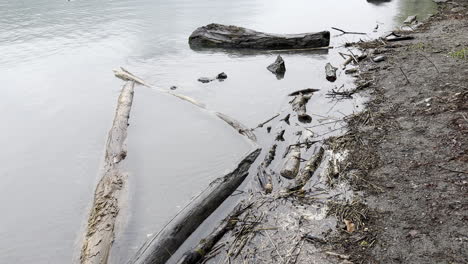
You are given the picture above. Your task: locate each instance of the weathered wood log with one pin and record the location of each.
(299, 105)
(399, 38)
(308, 170)
(278, 67)
(410, 20)
(101, 222)
(291, 165)
(330, 72)
(243, 130)
(270, 156)
(304, 91)
(222, 36)
(160, 248)
(205, 245)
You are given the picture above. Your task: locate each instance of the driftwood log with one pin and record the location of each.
(205, 245)
(101, 222)
(222, 36)
(160, 248)
(330, 72)
(291, 165)
(306, 173)
(239, 127)
(299, 105)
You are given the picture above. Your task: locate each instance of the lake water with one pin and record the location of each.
(59, 95)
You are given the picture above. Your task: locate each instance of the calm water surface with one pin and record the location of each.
(59, 94)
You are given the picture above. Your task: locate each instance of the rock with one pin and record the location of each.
(379, 58)
(221, 76)
(173, 87)
(410, 20)
(204, 79)
(278, 67)
(223, 36)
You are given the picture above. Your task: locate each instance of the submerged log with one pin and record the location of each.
(278, 67)
(308, 170)
(330, 72)
(304, 91)
(205, 245)
(222, 36)
(101, 222)
(291, 165)
(270, 156)
(299, 105)
(162, 246)
(243, 130)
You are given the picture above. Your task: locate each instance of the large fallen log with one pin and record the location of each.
(101, 222)
(160, 248)
(222, 36)
(205, 245)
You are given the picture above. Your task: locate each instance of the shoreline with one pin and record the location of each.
(367, 201)
(408, 155)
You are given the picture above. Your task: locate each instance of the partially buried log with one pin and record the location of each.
(308, 170)
(299, 105)
(223, 36)
(101, 222)
(291, 165)
(330, 72)
(161, 247)
(200, 251)
(278, 67)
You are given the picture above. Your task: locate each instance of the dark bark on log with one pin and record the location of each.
(291, 165)
(101, 222)
(286, 119)
(394, 39)
(278, 67)
(160, 248)
(222, 36)
(308, 170)
(304, 91)
(330, 72)
(206, 244)
(270, 156)
(280, 135)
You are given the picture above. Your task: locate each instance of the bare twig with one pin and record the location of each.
(347, 32)
(406, 77)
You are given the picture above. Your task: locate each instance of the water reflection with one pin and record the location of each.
(59, 95)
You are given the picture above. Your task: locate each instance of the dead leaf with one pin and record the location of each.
(350, 227)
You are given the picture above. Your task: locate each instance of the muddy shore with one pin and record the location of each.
(409, 148)
(392, 189)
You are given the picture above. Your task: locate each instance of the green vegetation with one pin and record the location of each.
(460, 54)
